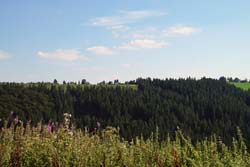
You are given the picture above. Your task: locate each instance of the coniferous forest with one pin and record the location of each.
(200, 108)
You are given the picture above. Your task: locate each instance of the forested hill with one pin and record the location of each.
(199, 107)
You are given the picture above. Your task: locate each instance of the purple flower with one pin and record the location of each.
(98, 124)
(49, 128)
(16, 120)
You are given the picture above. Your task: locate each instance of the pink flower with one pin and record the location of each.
(16, 120)
(98, 124)
(49, 128)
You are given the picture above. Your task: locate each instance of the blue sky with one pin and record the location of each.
(106, 40)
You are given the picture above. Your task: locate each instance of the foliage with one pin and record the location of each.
(107, 148)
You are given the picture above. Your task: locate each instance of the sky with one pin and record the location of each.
(106, 40)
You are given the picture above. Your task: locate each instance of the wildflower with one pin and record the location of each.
(16, 121)
(70, 133)
(10, 119)
(98, 124)
(49, 127)
(52, 127)
(1, 124)
(67, 117)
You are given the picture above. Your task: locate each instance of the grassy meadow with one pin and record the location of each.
(242, 85)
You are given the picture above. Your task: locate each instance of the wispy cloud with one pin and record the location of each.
(157, 33)
(181, 30)
(131, 45)
(122, 26)
(126, 65)
(4, 55)
(123, 18)
(120, 23)
(100, 50)
(143, 44)
(62, 54)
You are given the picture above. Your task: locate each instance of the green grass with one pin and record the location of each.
(244, 86)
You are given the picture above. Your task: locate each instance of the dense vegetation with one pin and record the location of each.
(199, 107)
(37, 148)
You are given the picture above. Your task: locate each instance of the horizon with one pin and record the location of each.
(228, 79)
(42, 41)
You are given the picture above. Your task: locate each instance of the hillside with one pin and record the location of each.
(199, 107)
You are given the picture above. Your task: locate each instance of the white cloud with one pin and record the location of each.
(4, 55)
(181, 30)
(100, 50)
(151, 32)
(131, 45)
(143, 44)
(119, 23)
(121, 26)
(126, 66)
(157, 33)
(62, 54)
(124, 17)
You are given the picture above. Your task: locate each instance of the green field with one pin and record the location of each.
(244, 86)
